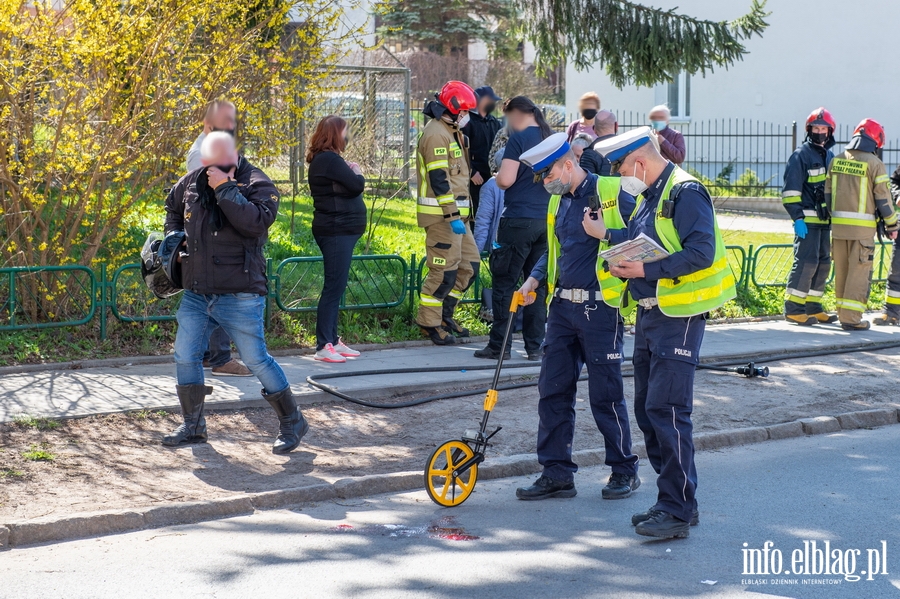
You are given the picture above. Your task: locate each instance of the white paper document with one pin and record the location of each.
(639, 249)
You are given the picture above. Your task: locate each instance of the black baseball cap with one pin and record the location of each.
(487, 90)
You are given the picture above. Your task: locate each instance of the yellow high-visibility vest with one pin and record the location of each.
(612, 288)
(698, 292)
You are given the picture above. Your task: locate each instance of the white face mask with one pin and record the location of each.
(634, 186)
(463, 120)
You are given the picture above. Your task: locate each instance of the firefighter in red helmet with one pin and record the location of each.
(803, 196)
(443, 211)
(856, 188)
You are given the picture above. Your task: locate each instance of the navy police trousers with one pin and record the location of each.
(666, 354)
(579, 334)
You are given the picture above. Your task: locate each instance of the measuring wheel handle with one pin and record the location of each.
(451, 473)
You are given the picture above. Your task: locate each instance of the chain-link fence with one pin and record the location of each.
(375, 102)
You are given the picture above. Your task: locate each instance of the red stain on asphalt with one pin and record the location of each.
(441, 528)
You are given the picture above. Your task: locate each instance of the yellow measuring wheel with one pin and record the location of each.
(452, 470)
(451, 473)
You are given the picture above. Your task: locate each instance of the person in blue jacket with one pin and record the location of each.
(491, 204)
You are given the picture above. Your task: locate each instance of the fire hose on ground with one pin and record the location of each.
(741, 367)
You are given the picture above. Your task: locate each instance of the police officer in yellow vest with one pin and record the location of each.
(584, 325)
(443, 210)
(856, 188)
(674, 296)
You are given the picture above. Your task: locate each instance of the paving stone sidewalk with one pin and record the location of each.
(66, 393)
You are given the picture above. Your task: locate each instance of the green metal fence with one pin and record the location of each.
(769, 265)
(64, 296)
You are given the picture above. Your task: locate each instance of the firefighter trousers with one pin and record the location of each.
(892, 296)
(452, 261)
(852, 277)
(812, 263)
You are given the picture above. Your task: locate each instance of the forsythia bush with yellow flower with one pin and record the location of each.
(99, 100)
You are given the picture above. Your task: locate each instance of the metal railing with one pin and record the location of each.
(68, 296)
(746, 156)
(770, 264)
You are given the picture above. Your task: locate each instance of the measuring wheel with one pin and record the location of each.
(446, 483)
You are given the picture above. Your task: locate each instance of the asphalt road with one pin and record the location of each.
(840, 488)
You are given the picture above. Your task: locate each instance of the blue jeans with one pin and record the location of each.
(337, 255)
(241, 315)
(218, 348)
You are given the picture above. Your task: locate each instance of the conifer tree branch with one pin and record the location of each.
(635, 43)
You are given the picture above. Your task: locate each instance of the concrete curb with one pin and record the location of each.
(56, 529)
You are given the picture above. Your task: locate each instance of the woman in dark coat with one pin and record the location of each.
(339, 220)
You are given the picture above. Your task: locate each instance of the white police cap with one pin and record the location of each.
(618, 147)
(542, 156)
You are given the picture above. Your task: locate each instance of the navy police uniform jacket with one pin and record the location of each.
(577, 265)
(803, 175)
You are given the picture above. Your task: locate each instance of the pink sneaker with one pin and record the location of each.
(328, 354)
(344, 350)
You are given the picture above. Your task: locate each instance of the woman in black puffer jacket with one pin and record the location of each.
(339, 220)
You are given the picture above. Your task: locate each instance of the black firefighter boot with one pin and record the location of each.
(193, 430)
(447, 322)
(293, 424)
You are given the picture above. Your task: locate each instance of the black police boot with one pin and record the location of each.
(447, 322)
(193, 429)
(490, 354)
(663, 525)
(644, 516)
(438, 335)
(293, 424)
(545, 488)
(620, 486)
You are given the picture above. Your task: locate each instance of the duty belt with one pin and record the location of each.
(578, 296)
(648, 302)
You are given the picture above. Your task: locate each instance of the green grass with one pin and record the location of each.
(392, 230)
(10, 473)
(39, 423)
(39, 453)
(747, 238)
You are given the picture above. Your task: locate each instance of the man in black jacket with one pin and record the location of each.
(605, 126)
(225, 210)
(481, 130)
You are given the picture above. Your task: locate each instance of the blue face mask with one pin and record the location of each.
(659, 125)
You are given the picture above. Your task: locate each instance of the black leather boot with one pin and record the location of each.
(663, 525)
(447, 321)
(293, 424)
(193, 430)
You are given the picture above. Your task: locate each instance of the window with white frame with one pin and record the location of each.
(677, 96)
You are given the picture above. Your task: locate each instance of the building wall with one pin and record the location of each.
(828, 52)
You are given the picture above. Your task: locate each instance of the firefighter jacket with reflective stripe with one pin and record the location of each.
(443, 173)
(611, 288)
(698, 292)
(804, 178)
(857, 189)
